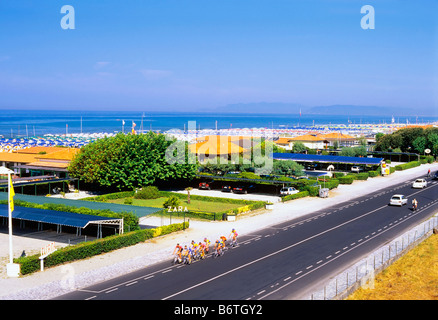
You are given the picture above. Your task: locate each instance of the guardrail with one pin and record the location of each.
(363, 272)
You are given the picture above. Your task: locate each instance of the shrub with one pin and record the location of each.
(362, 176)
(84, 250)
(149, 192)
(373, 174)
(172, 201)
(338, 174)
(348, 179)
(408, 165)
(298, 195)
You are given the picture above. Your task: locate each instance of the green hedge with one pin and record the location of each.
(216, 216)
(348, 179)
(338, 174)
(111, 196)
(362, 176)
(84, 250)
(298, 195)
(373, 174)
(408, 165)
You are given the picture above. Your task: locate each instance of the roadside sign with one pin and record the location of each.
(45, 251)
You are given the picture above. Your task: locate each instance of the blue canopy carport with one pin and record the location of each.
(139, 211)
(299, 157)
(60, 219)
(328, 159)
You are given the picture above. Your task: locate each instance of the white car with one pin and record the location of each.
(356, 169)
(398, 200)
(419, 183)
(288, 190)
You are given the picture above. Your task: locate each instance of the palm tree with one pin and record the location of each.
(188, 194)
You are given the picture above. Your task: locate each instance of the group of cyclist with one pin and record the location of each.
(196, 251)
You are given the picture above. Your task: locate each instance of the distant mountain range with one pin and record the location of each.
(295, 108)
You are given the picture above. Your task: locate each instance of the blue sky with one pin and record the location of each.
(199, 55)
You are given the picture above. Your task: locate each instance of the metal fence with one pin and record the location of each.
(362, 273)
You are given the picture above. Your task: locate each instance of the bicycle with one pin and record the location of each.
(176, 259)
(233, 242)
(219, 250)
(187, 259)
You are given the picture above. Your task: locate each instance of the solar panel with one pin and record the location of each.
(51, 216)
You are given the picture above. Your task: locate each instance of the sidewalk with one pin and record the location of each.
(62, 279)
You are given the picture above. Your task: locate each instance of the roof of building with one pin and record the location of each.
(66, 154)
(309, 137)
(283, 140)
(216, 146)
(337, 136)
(38, 150)
(17, 157)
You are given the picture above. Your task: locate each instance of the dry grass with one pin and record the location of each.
(412, 277)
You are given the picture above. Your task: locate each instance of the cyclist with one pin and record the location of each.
(185, 255)
(224, 241)
(201, 250)
(414, 204)
(207, 245)
(177, 252)
(217, 248)
(233, 237)
(194, 247)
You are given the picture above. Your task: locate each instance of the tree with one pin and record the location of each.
(419, 144)
(287, 167)
(298, 147)
(188, 189)
(171, 202)
(131, 161)
(432, 139)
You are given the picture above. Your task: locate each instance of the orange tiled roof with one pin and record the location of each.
(16, 157)
(62, 154)
(309, 137)
(216, 146)
(37, 150)
(283, 140)
(337, 135)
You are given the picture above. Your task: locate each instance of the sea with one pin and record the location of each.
(29, 123)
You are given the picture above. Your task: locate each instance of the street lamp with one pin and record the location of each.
(13, 269)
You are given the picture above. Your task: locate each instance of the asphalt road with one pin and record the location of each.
(285, 261)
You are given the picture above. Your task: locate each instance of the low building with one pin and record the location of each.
(39, 161)
(214, 147)
(55, 163)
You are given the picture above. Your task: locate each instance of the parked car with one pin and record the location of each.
(227, 188)
(435, 176)
(288, 190)
(398, 200)
(419, 183)
(243, 189)
(205, 185)
(356, 169)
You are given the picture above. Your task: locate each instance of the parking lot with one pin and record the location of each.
(31, 242)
